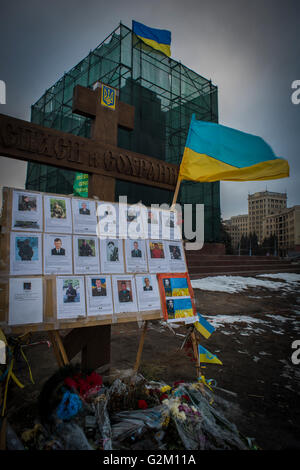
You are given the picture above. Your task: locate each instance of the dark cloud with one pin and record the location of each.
(249, 49)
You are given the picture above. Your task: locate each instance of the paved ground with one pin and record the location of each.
(254, 333)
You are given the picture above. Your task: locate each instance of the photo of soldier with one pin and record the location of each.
(124, 291)
(98, 287)
(25, 250)
(112, 251)
(27, 203)
(58, 209)
(86, 247)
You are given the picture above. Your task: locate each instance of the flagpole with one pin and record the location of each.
(176, 193)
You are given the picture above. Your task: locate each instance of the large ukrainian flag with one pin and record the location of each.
(159, 39)
(217, 153)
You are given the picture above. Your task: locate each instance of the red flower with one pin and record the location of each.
(185, 397)
(142, 404)
(163, 397)
(70, 383)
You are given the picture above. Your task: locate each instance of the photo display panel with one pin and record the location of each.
(86, 254)
(27, 211)
(84, 216)
(171, 225)
(157, 257)
(70, 297)
(57, 214)
(147, 292)
(124, 294)
(25, 253)
(99, 295)
(111, 255)
(132, 221)
(135, 256)
(108, 219)
(26, 301)
(176, 258)
(177, 297)
(58, 257)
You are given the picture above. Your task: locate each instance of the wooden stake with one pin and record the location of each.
(58, 348)
(196, 355)
(140, 350)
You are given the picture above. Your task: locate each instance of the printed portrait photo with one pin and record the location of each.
(84, 208)
(146, 284)
(132, 215)
(71, 291)
(175, 252)
(26, 249)
(86, 247)
(99, 287)
(58, 248)
(58, 209)
(169, 221)
(170, 308)
(152, 217)
(136, 252)
(124, 291)
(156, 250)
(167, 287)
(26, 286)
(112, 251)
(26, 203)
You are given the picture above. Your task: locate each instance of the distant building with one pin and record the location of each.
(260, 205)
(286, 226)
(268, 215)
(236, 227)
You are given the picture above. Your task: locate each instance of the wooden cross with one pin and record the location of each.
(94, 342)
(106, 121)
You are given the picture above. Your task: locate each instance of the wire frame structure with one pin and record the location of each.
(165, 94)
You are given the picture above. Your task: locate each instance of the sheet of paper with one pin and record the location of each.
(171, 227)
(135, 256)
(147, 292)
(58, 257)
(175, 256)
(178, 301)
(25, 301)
(84, 216)
(86, 254)
(27, 211)
(99, 295)
(70, 297)
(25, 253)
(57, 214)
(153, 220)
(111, 255)
(124, 292)
(157, 258)
(108, 219)
(132, 221)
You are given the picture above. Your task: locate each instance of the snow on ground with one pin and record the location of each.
(234, 284)
(288, 277)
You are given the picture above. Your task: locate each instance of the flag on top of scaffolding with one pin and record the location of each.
(159, 39)
(218, 153)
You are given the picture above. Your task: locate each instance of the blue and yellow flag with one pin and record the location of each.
(206, 356)
(217, 153)
(159, 39)
(204, 327)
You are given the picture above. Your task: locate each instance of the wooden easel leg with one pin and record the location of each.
(58, 348)
(196, 356)
(140, 349)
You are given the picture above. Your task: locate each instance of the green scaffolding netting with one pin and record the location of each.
(164, 93)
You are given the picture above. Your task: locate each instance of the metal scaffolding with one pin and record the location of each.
(165, 94)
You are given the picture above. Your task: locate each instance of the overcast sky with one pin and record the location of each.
(250, 50)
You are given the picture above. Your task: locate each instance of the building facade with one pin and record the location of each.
(260, 205)
(286, 226)
(236, 227)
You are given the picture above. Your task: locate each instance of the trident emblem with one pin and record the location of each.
(108, 97)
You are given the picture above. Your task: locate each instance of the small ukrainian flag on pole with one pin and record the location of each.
(159, 39)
